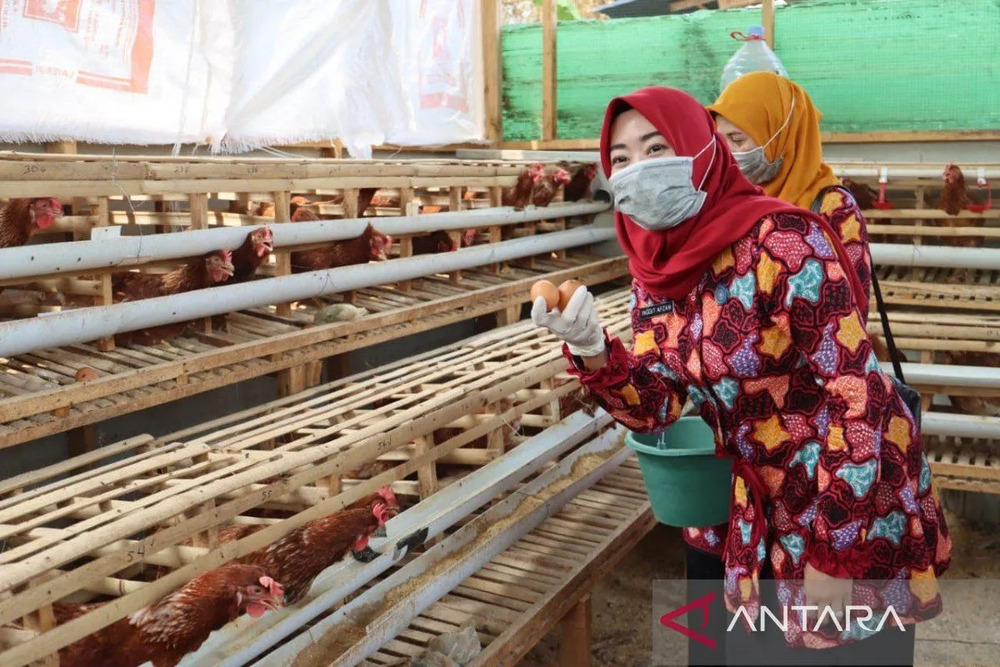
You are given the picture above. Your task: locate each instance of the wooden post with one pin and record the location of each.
(508, 315)
(574, 647)
(198, 204)
(241, 204)
(492, 70)
(496, 233)
(292, 380)
(42, 620)
(339, 365)
(405, 250)
(350, 211)
(295, 379)
(282, 258)
(549, 104)
(455, 204)
(427, 475)
(83, 440)
(406, 242)
(102, 210)
(767, 19)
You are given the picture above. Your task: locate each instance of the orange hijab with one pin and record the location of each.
(759, 103)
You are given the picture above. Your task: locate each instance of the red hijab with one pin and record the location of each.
(669, 263)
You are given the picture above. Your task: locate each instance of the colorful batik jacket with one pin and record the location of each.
(842, 212)
(828, 466)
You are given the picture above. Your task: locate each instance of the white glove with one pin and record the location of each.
(579, 326)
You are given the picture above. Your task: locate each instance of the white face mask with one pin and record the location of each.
(658, 193)
(755, 165)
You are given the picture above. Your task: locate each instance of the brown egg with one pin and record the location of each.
(86, 373)
(543, 288)
(566, 291)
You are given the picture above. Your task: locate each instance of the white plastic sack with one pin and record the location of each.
(437, 44)
(311, 70)
(241, 73)
(113, 71)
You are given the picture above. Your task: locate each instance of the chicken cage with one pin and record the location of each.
(129, 523)
(118, 230)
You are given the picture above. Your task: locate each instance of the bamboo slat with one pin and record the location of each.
(33, 390)
(100, 524)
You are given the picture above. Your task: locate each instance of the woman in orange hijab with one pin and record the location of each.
(748, 306)
(772, 128)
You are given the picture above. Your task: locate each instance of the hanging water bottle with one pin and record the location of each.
(754, 56)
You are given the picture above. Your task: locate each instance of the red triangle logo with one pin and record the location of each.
(703, 603)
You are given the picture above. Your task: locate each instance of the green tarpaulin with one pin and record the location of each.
(869, 65)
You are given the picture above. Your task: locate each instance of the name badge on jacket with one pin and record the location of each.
(659, 309)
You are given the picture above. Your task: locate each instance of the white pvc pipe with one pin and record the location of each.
(947, 375)
(123, 251)
(510, 154)
(89, 324)
(960, 426)
(873, 171)
(238, 643)
(908, 255)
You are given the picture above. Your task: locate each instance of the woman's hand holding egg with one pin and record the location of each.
(576, 322)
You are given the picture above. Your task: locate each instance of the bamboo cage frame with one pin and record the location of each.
(288, 457)
(532, 594)
(454, 406)
(915, 218)
(38, 393)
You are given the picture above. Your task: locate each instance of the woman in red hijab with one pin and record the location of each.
(743, 305)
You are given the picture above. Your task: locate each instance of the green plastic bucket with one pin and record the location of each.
(686, 483)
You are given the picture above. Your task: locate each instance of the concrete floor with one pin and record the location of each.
(968, 633)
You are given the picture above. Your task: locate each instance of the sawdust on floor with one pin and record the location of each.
(334, 643)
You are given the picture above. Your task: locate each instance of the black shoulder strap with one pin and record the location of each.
(883, 316)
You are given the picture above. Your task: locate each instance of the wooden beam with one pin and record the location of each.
(906, 136)
(880, 137)
(767, 20)
(684, 5)
(492, 70)
(549, 77)
(62, 146)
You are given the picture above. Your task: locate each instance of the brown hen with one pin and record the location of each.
(297, 559)
(204, 271)
(370, 245)
(519, 194)
(178, 624)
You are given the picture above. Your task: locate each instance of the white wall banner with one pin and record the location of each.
(113, 71)
(241, 73)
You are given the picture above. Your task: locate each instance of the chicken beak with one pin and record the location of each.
(380, 531)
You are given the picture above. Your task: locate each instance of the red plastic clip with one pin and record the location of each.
(883, 181)
(983, 183)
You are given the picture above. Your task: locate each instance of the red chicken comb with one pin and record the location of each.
(276, 589)
(386, 493)
(227, 255)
